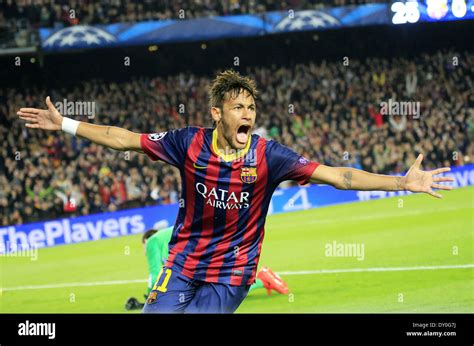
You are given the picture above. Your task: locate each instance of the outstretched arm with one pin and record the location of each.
(415, 180)
(109, 136)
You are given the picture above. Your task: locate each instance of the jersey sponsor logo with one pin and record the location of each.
(248, 175)
(156, 136)
(222, 199)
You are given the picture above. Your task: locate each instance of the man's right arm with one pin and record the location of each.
(170, 146)
(109, 136)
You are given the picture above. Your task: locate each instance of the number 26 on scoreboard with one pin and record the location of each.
(405, 12)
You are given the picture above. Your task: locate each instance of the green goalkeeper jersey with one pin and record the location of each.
(157, 253)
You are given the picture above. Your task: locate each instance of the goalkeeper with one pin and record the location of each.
(156, 250)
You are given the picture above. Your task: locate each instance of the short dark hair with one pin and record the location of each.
(148, 234)
(229, 83)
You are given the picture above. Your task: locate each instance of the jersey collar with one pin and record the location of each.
(229, 157)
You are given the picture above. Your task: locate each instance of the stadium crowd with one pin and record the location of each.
(48, 13)
(20, 18)
(330, 112)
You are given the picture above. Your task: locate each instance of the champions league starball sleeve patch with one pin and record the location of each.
(156, 136)
(168, 146)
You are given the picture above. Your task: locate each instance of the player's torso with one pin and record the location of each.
(223, 209)
(225, 181)
(224, 186)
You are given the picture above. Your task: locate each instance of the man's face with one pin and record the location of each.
(237, 119)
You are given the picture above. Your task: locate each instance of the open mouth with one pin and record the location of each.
(243, 134)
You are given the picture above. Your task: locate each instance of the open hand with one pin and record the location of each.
(417, 180)
(45, 119)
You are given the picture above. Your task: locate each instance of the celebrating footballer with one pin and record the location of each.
(228, 177)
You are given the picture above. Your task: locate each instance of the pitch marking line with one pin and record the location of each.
(302, 272)
(360, 270)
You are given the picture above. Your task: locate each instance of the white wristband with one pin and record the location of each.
(70, 125)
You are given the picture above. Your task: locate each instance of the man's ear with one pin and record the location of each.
(216, 114)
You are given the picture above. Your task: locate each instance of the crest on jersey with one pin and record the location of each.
(152, 297)
(248, 174)
(156, 136)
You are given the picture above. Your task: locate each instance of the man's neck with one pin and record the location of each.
(222, 144)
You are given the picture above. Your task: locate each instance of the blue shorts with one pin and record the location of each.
(176, 293)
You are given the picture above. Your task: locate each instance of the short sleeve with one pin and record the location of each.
(169, 146)
(285, 164)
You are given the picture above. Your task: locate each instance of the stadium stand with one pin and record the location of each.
(19, 19)
(337, 120)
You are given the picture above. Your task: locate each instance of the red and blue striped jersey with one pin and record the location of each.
(219, 229)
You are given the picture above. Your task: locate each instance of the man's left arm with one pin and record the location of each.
(415, 180)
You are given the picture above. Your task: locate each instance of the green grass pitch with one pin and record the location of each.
(423, 232)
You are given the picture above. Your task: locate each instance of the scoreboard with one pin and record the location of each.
(414, 11)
